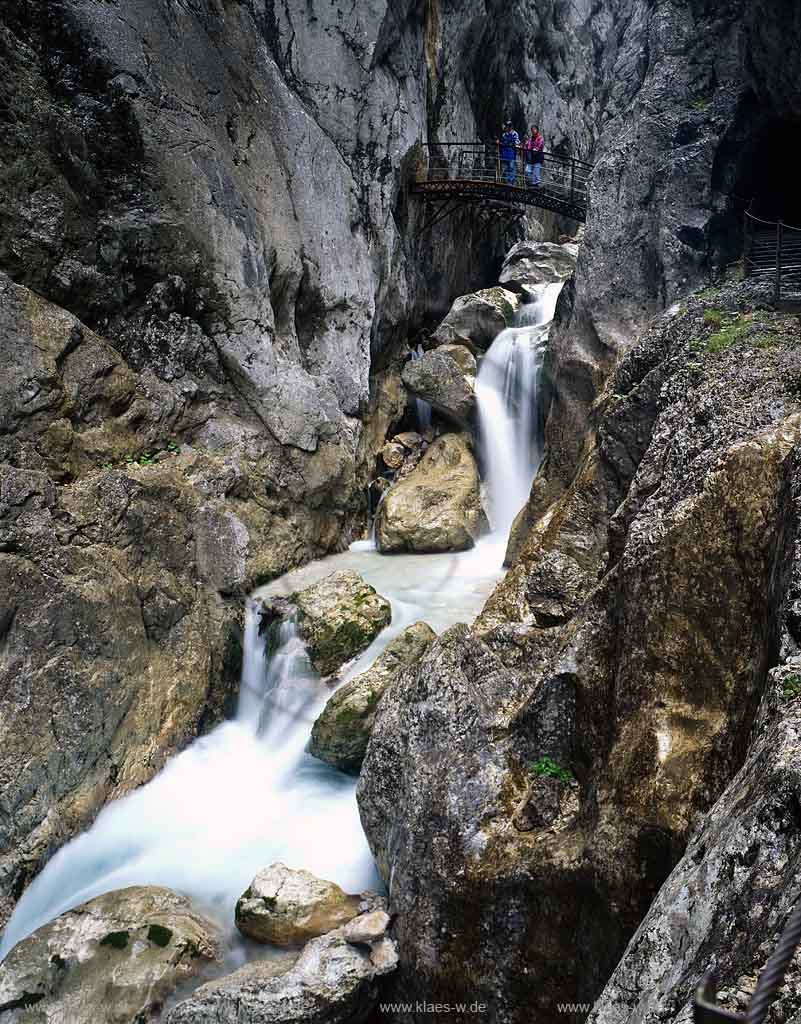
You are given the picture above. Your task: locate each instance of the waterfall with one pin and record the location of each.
(507, 392)
(248, 793)
(236, 800)
(422, 408)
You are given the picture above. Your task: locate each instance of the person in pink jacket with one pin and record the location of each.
(534, 156)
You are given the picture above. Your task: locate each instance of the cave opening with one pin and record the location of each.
(768, 172)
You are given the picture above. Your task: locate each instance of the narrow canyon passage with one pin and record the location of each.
(249, 793)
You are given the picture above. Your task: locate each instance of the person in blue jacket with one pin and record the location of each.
(510, 144)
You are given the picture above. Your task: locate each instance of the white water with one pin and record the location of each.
(507, 392)
(248, 793)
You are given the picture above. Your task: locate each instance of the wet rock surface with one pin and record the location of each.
(341, 733)
(339, 617)
(115, 959)
(442, 380)
(528, 264)
(475, 319)
(437, 507)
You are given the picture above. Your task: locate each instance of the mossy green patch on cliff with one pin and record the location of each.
(547, 768)
(160, 935)
(117, 940)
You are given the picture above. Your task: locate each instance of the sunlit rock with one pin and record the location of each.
(438, 506)
(286, 907)
(114, 959)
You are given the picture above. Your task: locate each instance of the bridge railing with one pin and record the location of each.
(773, 249)
(487, 162)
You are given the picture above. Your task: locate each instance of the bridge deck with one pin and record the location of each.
(476, 173)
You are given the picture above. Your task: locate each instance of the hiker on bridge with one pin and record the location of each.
(510, 144)
(534, 156)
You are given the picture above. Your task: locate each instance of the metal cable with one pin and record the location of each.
(773, 972)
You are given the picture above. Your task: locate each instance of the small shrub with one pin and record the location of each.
(117, 940)
(791, 686)
(546, 768)
(713, 317)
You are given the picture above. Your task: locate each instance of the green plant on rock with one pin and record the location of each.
(547, 768)
(791, 686)
(727, 337)
(713, 317)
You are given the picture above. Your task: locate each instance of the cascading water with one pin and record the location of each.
(507, 395)
(422, 408)
(236, 800)
(248, 793)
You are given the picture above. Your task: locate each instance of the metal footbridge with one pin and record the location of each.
(453, 175)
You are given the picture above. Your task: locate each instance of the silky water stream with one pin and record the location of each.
(248, 793)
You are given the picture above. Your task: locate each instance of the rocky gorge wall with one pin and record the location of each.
(210, 268)
(533, 782)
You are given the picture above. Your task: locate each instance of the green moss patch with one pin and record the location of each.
(117, 940)
(159, 935)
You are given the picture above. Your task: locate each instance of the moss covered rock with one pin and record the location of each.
(114, 959)
(339, 617)
(341, 733)
(475, 319)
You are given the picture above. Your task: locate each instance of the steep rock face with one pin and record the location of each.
(115, 959)
(630, 645)
(727, 900)
(695, 104)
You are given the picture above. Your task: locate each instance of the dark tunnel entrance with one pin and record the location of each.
(755, 170)
(769, 175)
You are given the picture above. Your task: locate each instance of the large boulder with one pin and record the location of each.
(333, 981)
(532, 263)
(287, 907)
(440, 378)
(341, 733)
(476, 319)
(339, 617)
(438, 506)
(114, 959)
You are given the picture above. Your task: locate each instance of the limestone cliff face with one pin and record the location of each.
(697, 106)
